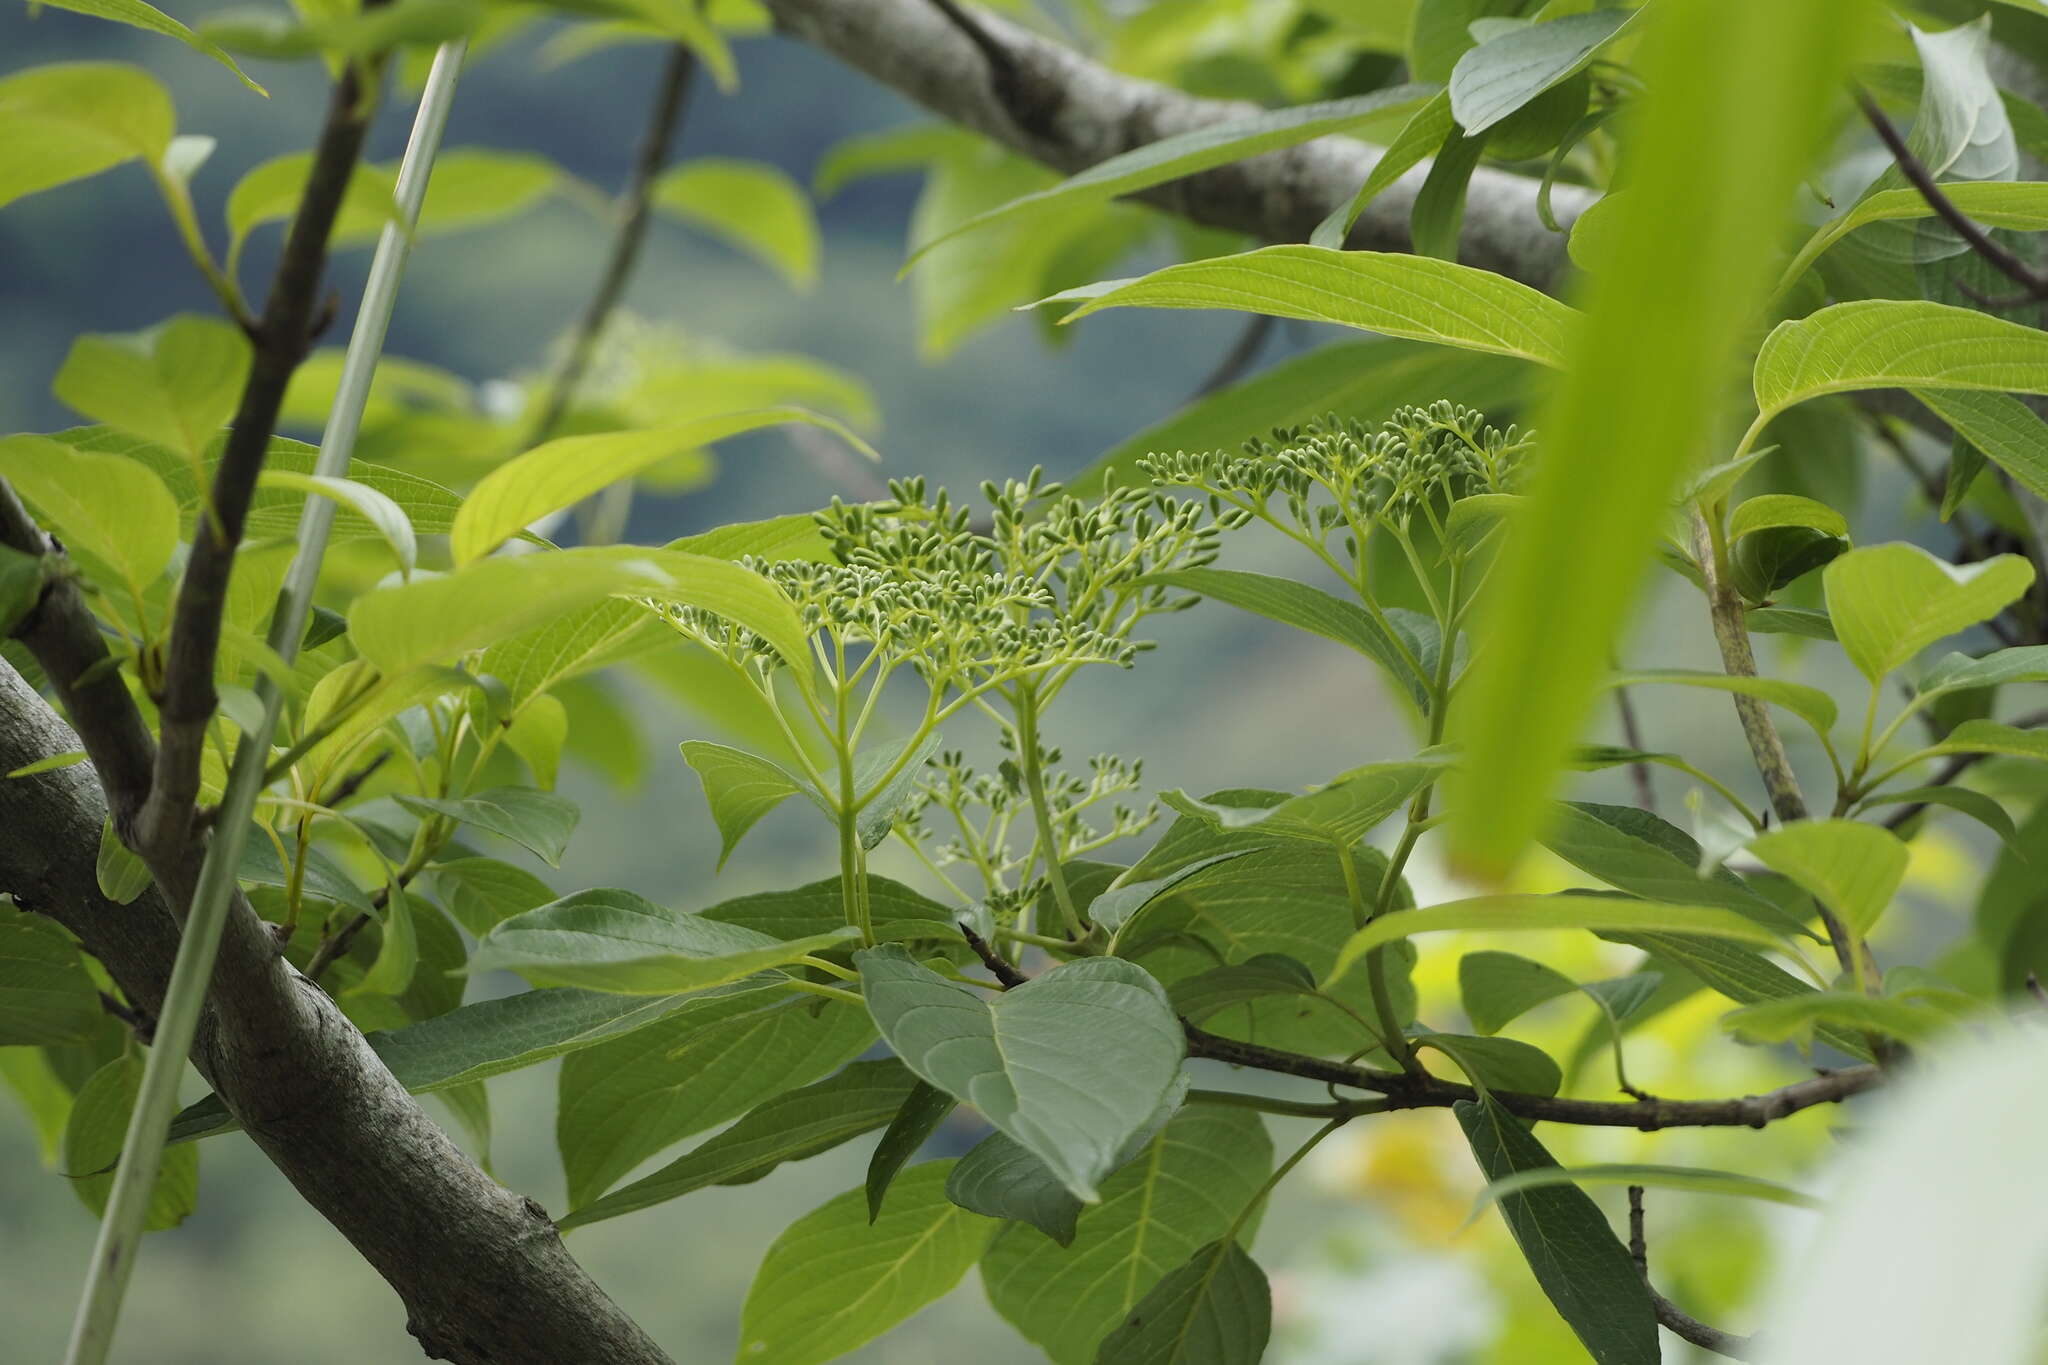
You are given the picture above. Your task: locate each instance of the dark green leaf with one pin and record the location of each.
(922, 1111)
(1214, 1310)
(536, 820)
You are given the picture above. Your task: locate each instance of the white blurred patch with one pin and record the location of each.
(1419, 1310)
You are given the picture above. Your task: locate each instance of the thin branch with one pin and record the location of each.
(1000, 967)
(1975, 237)
(1632, 735)
(282, 338)
(1424, 1091)
(667, 117)
(1669, 1314)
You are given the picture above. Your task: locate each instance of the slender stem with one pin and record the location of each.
(1280, 1173)
(142, 1150)
(844, 997)
(1270, 1104)
(1041, 810)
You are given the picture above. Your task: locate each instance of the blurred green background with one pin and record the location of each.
(1369, 1261)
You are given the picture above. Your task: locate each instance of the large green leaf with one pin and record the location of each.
(270, 193)
(627, 1099)
(1634, 851)
(1416, 297)
(373, 506)
(1889, 602)
(612, 940)
(112, 509)
(46, 996)
(901, 914)
(92, 1145)
(1425, 131)
(1343, 811)
(138, 14)
(1509, 913)
(1896, 343)
(1502, 75)
(1852, 868)
(1309, 608)
(473, 187)
(1070, 1064)
(834, 1281)
(1810, 704)
(1718, 169)
(2000, 427)
(536, 820)
(2021, 206)
(1215, 1309)
(797, 1124)
(1199, 149)
(1992, 737)
(176, 384)
(922, 1111)
(1583, 1269)
(1184, 1189)
(434, 620)
(749, 205)
(564, 472)
(1739, 973)
(741, 788)
(69, 120)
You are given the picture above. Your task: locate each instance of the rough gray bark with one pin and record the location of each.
(482, 1272)
(1058, 107)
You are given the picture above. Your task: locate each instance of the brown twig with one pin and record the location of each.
(1632, 735)
(1000, 967)
(1669, 1314)
(662, 125)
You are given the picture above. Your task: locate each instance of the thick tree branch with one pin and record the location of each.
(1063, 109)
(483, 1275)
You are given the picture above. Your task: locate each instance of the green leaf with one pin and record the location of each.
(1197, 997)
(1396, 295)
(923, 1110)
(1497, 1063)
(137, 14)
(46, 995)
(1991, 737)
(1499, 988)
(2021, 206)
(1893, 343)
(612, 940)
(110, 508)
(1438, 214)
(1214, 1310)
(535, 820)
(44, 1097)
(473, 187)
(431, 620)
(1583, 1269)
(901, 914)
(790, 1127)
(375, 507)
(270, 193)
(1998, 426)
(537, 733)
(1634, 851)
(881, 802)
(749, 205)
(92, 1146)
(313, 872)
(1500, 914)
(1306, 608)
(1888, 602)
(1117, 903)
(1739, 973)
(628, 1099)
(1785, 509)
(1780, 1021)
(53, 763)
(832, 1282)
(176, 383)
(1426, 131)
(1183, 1190)
(121, 874)
(398, 954)
(1658, 1177)
(742, 788)
(70, 120)
(562, 473)
(1496, 78)
(1184, 154)
(1802, 621)
(1852, 868)
(1975, 804)
(1810, 704)
(1071, 1064)
(1342, 812)
(1720, 167)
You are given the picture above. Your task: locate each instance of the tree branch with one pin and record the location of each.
(1670, 1315)
(1078, 112)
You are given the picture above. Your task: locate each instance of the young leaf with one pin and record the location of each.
(375, 507)
(536, 820)
(1895, 343)
(1635, 851)
(1071, 1064)
(1889, 602)
(1342, 812)
(1564, 911)
(882, 802)
(1740, 974)
(1780, 1021)
(1852, 868)
(629, 1098)
(398, 954)
(923, 1110)
(1425, 131)
(1718, 166)
(1497, 1063)
(1216, 1309)
(473, 187)
(1496, 78)
(1998, 427)
(92, 1145)
(612, 940)
(1992, 737)
(1499, 988)
(138, 14)
(1183, 1190)
(749, 205)
(122, 876)
(1584, 1270)
(1398, 296)
(176, 384)
(1114, 906)
(790, 1127)
(833, 1281)
(742, 788)
(1773, 510)
(110, 508)
(563, 472)
(1975, 804)
(2021, 206)
(67, 121)
(46, 995)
